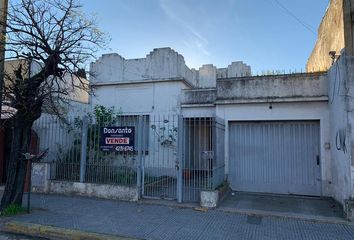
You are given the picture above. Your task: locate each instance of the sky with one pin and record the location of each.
(268, 35)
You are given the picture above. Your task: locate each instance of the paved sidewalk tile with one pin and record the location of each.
(165, 222)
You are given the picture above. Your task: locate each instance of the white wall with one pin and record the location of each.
(158, 97)
(238, 69)
(283, 111)
(207, 76)
(161, 63)
(199, 111)
(273, 87)
(341, 161)
(350, 110)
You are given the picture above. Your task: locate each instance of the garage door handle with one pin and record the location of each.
(318, 159)
(177, 165)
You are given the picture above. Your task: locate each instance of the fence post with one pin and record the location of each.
(215, 152)
(52, 170)
(179, 159)
(140, 155)
(84, 131)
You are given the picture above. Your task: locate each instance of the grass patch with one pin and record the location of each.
(13, 209)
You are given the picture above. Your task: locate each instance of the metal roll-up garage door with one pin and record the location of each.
(275, 157)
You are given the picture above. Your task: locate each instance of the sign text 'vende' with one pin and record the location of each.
(117, 139)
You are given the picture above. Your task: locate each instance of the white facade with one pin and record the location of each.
(161, 83)
(141, 98)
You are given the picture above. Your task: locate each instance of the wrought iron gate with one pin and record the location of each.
(186, 155)
(161, 164)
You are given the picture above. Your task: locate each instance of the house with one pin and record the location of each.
(196, 129)
(276, 128)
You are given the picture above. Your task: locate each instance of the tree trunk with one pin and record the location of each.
(16, 172)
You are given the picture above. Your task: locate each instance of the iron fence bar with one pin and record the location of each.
(212, 149)
(191, 155)
(180, 159)
(145, 147)
(215, 156)
(201, 143)
(83, 148)
(139, 149)
(75, 155)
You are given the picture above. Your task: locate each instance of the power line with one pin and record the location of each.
(295, 17)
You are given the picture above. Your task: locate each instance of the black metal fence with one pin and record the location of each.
(173, 157)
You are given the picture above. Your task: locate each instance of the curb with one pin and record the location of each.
(38, 230)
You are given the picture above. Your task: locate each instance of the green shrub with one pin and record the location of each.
(13, 209)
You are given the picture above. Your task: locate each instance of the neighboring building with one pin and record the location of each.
(73, 83)
(335, 34)
(330, 38)
(77, 98)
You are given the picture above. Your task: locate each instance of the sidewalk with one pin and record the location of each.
(286, 206)
(146, 221)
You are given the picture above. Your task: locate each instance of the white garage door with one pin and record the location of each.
(275, 157)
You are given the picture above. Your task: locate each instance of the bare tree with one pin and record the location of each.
(60, 39)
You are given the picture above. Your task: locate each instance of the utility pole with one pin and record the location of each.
(3, 20)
